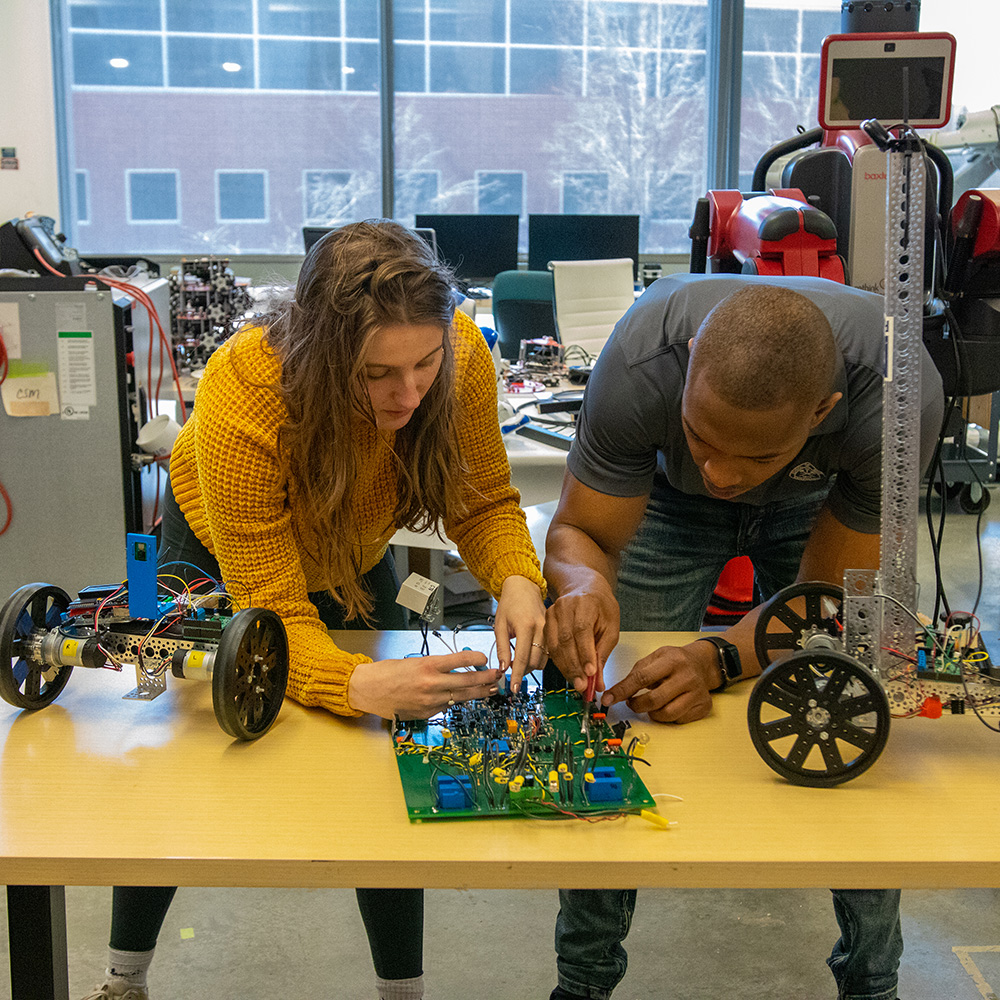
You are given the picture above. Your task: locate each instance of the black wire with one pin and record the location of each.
(983, 504)
(936, 468)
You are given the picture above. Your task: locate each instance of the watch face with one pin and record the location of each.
(730, 656)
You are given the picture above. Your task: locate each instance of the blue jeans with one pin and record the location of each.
(665, 582)
(593, 923)
(669, 569)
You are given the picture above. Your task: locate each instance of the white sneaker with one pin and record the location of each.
(113, 991)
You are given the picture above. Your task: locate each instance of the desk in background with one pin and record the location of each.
(536, 470)
(317, 802)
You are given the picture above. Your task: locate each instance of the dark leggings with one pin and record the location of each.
(393, 918)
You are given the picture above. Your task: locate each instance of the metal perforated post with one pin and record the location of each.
(904, 308)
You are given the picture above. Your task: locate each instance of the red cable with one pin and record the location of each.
(10, 508)
(144, 299)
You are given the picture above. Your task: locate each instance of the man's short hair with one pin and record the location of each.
(765, 346)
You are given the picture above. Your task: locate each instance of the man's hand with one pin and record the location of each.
(581, 630)
(671, 684)
(588, 531)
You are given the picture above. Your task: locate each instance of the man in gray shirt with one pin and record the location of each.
(727, 415)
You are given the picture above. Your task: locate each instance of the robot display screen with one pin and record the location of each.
(894, 78)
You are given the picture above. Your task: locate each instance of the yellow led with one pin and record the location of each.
(475, 759)
(563, 767)
(567, 775)
(498, 771)
(589, 776)
(446, 734)
(588, 753)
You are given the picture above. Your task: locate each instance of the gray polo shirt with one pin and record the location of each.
(630, 422)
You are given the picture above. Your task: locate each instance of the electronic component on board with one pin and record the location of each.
(532, 752)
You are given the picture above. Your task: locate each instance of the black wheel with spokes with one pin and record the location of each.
(818, 718)
(250, 674)
(799, 617)
(29, 612)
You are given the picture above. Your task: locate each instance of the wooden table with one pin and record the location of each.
(98, 791)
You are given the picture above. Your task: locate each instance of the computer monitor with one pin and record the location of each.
(582, 237)
(313, 234)
(477, 247)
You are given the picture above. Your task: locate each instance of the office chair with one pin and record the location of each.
(590, 297)
(522, 309)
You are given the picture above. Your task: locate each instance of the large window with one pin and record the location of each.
(233, 123)
(500, 192)
(228, 123)
(335, 197)
(554, 105)
(780, 90)
(416, 192)
(585, 192)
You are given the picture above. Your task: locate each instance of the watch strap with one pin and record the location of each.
(730, 667)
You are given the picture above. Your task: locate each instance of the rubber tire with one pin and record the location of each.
(789, 685)
(18, 692)
(253, 636)
(772, 609)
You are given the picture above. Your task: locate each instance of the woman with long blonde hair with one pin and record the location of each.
(364, 404)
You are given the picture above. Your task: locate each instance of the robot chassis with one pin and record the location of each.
(821, 715)
(44, 635)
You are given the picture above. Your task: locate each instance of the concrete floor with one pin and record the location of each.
(250, 944)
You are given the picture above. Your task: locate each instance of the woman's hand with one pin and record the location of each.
(520, 615)
(419, 686)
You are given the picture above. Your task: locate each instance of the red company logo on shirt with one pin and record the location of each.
(806, 473)
(874, 177)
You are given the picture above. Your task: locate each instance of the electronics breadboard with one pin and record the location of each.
(533, 753)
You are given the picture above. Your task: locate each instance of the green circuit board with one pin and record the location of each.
(539, 753)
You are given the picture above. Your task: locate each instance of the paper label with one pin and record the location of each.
(30, 395)
(77, 373)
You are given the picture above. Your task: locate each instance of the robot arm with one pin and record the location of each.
(977, 140)
(771, 234)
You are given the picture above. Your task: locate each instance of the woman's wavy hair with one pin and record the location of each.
(355, 281)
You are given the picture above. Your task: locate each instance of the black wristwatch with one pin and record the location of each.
(730, 668)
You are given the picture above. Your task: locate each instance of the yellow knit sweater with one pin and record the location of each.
(227, 480)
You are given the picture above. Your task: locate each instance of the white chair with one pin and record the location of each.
(590, 297)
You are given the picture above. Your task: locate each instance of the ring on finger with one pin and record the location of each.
(541, 647)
